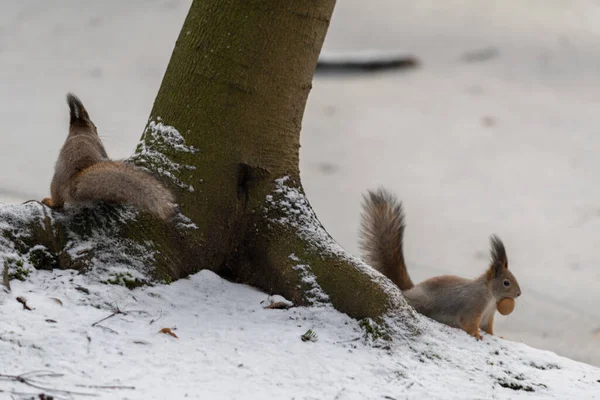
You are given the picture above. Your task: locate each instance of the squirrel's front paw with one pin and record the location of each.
(475, 334)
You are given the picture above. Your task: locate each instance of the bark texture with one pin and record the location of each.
(224, 136)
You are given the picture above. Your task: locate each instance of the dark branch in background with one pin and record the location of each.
(365, 61)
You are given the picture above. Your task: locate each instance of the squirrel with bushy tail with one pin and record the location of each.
(84, 174)
(469, 304)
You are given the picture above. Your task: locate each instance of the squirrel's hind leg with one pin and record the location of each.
(50, 203)
(47, 201)
(472, 327)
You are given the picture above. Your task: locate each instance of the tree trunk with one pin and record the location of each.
(224, 136)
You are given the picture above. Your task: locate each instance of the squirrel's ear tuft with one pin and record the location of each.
(76, 108)
(499, 259)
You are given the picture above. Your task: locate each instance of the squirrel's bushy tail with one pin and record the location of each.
(381, 234)
(120, 183)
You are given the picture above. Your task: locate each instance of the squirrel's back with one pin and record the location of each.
(121, 183)
(84, 173)
(381, 235)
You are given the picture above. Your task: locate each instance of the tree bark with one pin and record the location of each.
(224, 136)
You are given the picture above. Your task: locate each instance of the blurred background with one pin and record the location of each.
(494, 132)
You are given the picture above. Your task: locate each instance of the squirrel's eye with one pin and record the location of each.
(506, 283)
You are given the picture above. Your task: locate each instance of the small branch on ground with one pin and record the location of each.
(356, 339)
(106, 387)
(106, 328)
(34, 201)
(156, 319)
(82, 289)
(5, 278)
(23, 301)
(29, 378)
(117, 312)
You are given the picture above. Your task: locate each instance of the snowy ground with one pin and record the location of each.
(495, 133)
(229, 347)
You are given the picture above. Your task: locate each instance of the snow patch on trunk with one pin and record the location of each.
(294, 210)
(157, 141)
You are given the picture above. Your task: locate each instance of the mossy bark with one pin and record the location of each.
(235, 91)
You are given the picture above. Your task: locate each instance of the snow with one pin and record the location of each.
(157, 140)
(230, 347)
(113, 257)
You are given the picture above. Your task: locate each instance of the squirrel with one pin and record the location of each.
(83, 172)
(468, 304)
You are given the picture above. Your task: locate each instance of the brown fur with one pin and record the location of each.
(382, 230)
(469, 304)
(83, 172)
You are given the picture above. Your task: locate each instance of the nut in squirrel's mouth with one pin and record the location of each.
(506, 306)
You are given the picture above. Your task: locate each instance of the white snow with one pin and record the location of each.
(230, 347)
(157, 140)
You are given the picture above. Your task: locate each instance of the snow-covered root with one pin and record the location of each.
(115, 244)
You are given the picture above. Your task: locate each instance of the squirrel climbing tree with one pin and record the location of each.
(224, 138)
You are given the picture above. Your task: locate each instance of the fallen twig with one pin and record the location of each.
(117, 312)
(23, 301)
(82, 289)
(34, 201)
(159, 317)
(5, 278)
(28, 379)
(106, 387)
(356, 339)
